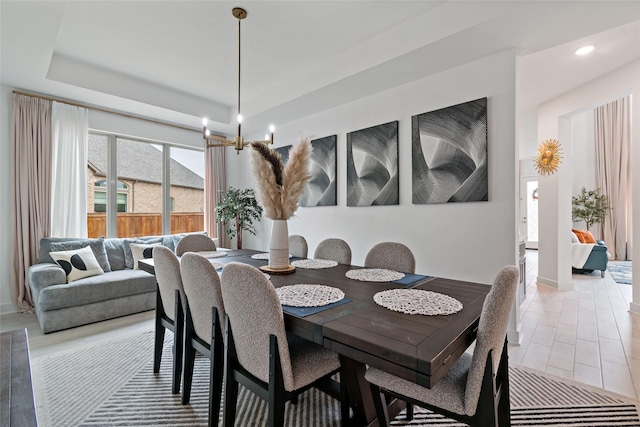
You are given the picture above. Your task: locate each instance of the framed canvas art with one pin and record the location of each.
(372, 166)
(449, 154)
(321, 188)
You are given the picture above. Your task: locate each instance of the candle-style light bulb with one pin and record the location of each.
(204, 121)
(266, 137)
(239, 118)
(272, 128)
(207, 132)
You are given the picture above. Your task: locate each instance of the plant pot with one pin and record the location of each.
(279, 245)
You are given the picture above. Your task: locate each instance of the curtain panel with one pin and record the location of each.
(612, 140)
(69, 170)
(31, 140)
(215, 178)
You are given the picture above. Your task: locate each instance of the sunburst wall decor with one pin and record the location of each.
(548, 157)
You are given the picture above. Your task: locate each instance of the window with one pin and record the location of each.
(100, 196)
(146, 202)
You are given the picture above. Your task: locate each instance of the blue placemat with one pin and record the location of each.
(410, 278)
(306, 311)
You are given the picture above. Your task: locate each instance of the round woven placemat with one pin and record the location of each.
(314, 264)
(417, 301)
(304, 295)
(374, 275)
(212, 254)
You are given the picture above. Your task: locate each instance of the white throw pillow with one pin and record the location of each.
(574, 238)
(77, 264)
(140, 251)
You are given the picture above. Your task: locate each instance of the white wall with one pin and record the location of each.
(583, 153)
(6, 208)
(467, 241)
(555, 121)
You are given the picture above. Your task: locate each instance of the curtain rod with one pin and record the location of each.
(106, 110)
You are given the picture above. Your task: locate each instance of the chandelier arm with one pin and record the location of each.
(239, 55)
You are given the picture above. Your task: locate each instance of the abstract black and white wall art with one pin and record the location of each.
(449, 154)
(372, 166)
(321, 188)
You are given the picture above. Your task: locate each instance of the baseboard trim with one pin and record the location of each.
(547, 282)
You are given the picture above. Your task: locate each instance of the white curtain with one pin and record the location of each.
(69, 175)
(215, 178)
(612, 140)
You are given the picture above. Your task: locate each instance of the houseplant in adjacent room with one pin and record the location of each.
(590, 206)
(238, 209)
(279, 189)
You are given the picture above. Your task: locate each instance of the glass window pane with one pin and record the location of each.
(187, 190)
(139, 167)
(96, 177)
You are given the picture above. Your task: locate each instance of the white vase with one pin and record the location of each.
(279, 245)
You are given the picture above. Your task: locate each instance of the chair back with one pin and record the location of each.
(195, 243)
(202, 290)
(298, 246)
(167, 268)
(492, 331)
(335, 250)
(391, 256)
(255, 313)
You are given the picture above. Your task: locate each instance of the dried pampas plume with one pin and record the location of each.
(279, 188)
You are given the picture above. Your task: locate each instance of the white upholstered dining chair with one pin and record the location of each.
(195, 243)
(333, 249)
(298, 246)
(391, 256)
(260, 355)
(204, 317)
(170, 302)
(475, 390)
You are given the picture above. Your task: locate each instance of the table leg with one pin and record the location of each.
(360, 397)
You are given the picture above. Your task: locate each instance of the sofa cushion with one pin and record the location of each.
(128, 256)
(140, 251)
(115, 253)
(77, 264)
(584, 236)
(114, 284)
(96, 245)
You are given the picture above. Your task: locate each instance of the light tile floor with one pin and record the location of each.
(587, 334)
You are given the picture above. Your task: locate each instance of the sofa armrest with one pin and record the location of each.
(44, 275)
(599, 248)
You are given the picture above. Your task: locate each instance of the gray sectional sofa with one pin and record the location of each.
(120, 291)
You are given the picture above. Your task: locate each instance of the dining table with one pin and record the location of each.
(417, 347)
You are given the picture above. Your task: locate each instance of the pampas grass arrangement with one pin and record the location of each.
(279, 188)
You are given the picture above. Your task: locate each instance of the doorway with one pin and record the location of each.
(529, 210)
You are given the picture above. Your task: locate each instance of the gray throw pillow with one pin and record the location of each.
(128, 256)
(96, 245)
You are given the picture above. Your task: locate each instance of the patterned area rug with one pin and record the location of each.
(621, 273)
(112, 384)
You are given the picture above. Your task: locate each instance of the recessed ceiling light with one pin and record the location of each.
(584, 50)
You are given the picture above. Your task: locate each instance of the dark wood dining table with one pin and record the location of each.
(416, 347)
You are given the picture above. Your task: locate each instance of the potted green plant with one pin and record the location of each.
(590, 207)
(241, 208)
